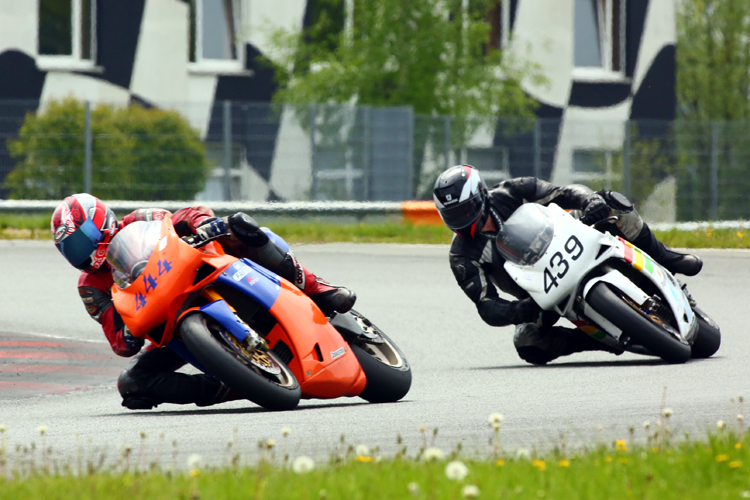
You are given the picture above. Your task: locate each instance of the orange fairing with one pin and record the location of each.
(329, 371)
(155, 297)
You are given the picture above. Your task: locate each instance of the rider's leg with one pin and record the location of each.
(271, 252)
(540, 345)
(150, 379)
(636, 231)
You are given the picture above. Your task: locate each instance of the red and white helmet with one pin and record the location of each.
(83, 226)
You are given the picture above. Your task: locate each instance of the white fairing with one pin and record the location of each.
(554, 279)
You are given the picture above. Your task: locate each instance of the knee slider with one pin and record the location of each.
(127, 384)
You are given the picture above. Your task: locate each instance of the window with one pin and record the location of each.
(599, 35)
(213, 34)
(67, 31)
(498, 17)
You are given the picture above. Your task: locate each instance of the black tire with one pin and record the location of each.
(386, 368)
(201, 336)
(641, 329)
(708, 338)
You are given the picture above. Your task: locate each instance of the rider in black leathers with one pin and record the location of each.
(475, 214)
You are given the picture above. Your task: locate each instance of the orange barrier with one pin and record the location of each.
(421, 212)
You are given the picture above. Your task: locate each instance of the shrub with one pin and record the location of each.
(137, 154)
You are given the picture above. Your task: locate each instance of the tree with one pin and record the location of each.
(137, 154)
(713, 59)
(713, 86)
(431, 55)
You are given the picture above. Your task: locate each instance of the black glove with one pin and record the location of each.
(595, 210)
(523, 311)
(131, 340)
(211, 228)
(247, 230)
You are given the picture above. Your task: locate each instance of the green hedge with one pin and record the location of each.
(137, 154)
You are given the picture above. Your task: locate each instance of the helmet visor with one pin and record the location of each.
(462, 214)
(78, 246)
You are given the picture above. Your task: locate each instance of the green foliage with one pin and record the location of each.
(713, 57)
(137, 154)
(429, 55)
(432, 56)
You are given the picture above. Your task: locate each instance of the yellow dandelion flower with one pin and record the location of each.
(622, 460)
(195, 472)
(738, 446)
(621, 445)
(722, 458)
(739, 234)
(500, 462)
(735, 464)
(539, 464)
(564, 463)
(608, 459)
(363, 458)
(709, 234)
(655, 449)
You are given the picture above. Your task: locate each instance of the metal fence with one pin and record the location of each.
(257, 152)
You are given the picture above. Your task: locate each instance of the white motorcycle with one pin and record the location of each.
(604, 285)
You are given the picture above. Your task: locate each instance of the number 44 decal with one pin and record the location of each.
(558, 266)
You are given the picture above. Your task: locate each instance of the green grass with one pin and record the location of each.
(715, 468)
(15, 226)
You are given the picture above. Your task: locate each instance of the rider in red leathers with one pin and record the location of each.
(83, 226)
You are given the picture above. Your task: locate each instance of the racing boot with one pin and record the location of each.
(329, 298)
(675, 262)
(539, 346)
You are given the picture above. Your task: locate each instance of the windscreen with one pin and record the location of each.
(130, 250)
(526, 235)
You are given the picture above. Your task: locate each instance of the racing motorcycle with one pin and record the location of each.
(253, 330)
(604, 285)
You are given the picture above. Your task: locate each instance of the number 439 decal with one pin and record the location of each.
(557, 262)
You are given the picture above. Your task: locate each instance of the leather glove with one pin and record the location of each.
(131, 340)
(595, 210)
(211, 228)
(523, 311)
(247, 230)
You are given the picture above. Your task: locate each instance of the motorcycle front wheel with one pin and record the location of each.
(258, 376)
(642, 329)
(708, 338)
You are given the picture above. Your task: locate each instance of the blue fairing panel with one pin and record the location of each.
(221, 312)
(253, 280)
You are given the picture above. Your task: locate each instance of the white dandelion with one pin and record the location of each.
(303, 464)
(470, 491)
(433, 454)
(362, 450)
(456, 470)
(193, 461)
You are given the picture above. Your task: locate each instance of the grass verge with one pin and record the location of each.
(37, 227)
(715, 468)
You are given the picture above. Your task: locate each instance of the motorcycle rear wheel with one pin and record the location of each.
(641, 329)
(203, 338)
(386, 368)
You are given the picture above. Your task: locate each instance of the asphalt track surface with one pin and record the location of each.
(56, 370)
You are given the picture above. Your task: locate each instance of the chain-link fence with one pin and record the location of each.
(240, 151)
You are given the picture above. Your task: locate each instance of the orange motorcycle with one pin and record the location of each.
(251, 329)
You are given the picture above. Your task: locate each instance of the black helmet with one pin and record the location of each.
(461, 199)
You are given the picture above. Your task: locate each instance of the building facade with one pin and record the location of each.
(606, 61)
